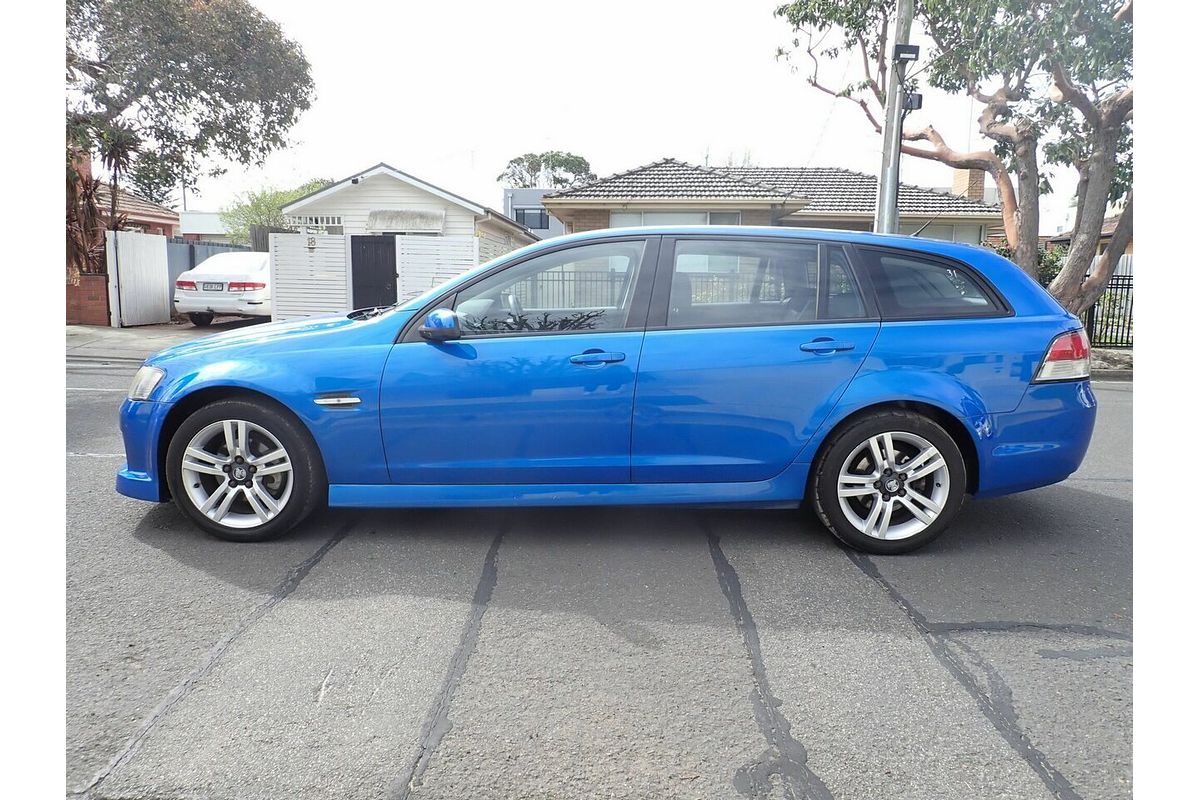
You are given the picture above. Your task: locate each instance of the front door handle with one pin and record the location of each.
(596, 357)
(826, 345)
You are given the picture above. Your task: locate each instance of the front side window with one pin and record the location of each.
(743, 282)
(909, 286)
(586, 288)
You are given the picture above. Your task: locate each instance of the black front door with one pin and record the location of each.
(373, 266)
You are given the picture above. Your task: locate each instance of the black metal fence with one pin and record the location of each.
(601, 289)
(1110, 321)
(561, 289)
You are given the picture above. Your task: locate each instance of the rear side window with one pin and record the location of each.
(733, 282)
(908, 286)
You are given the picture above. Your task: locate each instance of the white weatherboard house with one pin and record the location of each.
(379, 236)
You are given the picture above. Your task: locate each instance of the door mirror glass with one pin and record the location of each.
(440, 325)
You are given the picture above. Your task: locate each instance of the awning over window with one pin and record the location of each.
(406, 220)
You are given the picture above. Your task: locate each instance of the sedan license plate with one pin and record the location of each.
(213, 287)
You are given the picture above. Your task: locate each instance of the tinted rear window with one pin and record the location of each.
(907, 285)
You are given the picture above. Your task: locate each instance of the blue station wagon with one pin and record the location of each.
(879, 378)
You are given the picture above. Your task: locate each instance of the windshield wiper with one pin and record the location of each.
(372, 311)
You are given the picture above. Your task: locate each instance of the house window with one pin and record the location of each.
(535, 218)
(627, 219)
(318, 223)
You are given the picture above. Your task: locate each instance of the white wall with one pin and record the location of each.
(383, 192)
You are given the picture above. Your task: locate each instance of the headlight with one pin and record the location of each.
(144, 382)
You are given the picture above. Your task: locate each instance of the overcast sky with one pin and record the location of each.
(450, 91)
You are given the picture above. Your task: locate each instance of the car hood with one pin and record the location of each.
(310, 332)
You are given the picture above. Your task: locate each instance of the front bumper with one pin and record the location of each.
(1040, 442)
(139, 477)
(253, 304)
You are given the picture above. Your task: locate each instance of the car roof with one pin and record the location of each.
(238, 255)
(937, 246)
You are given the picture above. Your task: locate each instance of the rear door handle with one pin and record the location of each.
(597, 357)
(826, 346)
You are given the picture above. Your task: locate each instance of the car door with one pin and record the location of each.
(749, 344)
(539, 389)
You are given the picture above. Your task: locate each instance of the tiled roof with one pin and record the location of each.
(1106, 229)
(129, 203)
(670, 179)
(826, 189)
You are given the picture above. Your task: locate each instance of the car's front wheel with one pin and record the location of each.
(889, 482)
(244, 471)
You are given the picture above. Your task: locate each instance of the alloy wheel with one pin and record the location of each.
(894, 485)
(237, 473)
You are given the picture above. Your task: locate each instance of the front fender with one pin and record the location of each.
(348, 436)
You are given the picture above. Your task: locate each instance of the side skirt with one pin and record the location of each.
(785, 488)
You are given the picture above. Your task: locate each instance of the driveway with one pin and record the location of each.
(562, 653)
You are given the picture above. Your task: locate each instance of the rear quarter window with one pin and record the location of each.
(909, 286)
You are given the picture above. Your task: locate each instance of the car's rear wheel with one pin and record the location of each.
(889, 482)
(201, 319)
(244, 471)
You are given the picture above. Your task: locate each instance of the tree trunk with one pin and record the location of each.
(1097, 282)
(112, 202)
(1068, 286)
(1025, 254)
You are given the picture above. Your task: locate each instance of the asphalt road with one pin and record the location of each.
(564, 653)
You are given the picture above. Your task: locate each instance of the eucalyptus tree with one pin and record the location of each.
(1055, 81)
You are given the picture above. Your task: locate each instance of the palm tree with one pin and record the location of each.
(118, 145)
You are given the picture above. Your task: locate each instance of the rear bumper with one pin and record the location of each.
(248, 304)
(138, 477)
(1040, 442)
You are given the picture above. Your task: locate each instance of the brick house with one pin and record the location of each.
(674, 192)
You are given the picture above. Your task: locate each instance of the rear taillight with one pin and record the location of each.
(246, 286)
(187, 286)
(1068, 359)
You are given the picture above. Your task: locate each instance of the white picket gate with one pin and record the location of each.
(139, 283)
(310, 275)
(423, 262)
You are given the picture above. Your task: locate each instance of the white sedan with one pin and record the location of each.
(228, 283)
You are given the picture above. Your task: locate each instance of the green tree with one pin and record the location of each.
(154, 179)
(263, 208)
(553, 169)
(1055, 81)
(193, 82)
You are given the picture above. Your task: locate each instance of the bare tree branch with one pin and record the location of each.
(985, 160)
(1125, 12)
(1119, 107)
(1072, 95)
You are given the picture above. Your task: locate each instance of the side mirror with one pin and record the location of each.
(440, 325)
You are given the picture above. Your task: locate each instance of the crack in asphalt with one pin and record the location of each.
(1010, 627)
(291, 581)
(996, 704)
(437, 722)
(785, 757)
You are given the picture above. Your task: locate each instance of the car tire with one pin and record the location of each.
(904, 509)
(201, 319)
(202, 467)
